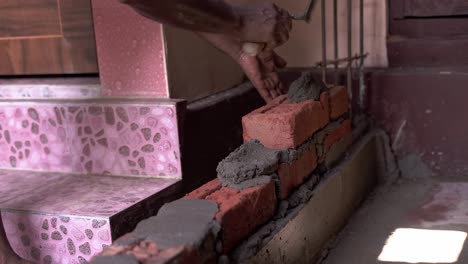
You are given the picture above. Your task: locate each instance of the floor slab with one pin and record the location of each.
(75, 195)
(65, 218)
(413, 221)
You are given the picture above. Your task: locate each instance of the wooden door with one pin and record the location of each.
(46, 37)
(435, 8)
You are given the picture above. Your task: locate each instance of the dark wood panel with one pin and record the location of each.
(29, 18)
(431, 8)
(48, 56)
(396, 9)
(425, 27)
(71, 52)
(404, 52)
(429, 27)
(77, 19)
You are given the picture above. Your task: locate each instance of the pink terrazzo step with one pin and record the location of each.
(59, 218)
(99, 136)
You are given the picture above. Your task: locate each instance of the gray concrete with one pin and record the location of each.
(179, 223)
(333, 201)
(426, 205)
(306, 88)
(247, 162)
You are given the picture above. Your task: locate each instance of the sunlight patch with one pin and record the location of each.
(423, 246)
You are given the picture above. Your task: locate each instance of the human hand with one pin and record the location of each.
(260, 69)
(264, 23)
(262, 72)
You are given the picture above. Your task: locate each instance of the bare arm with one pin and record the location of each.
(227, 27)
(214, 16)
(262, 23)
(261, 70)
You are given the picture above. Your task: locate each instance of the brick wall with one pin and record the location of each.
(285, 145)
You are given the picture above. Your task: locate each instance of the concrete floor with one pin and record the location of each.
(428, 217)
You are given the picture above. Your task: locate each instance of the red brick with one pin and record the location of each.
(241, 212)
(337, 134)
(338, 101)
(325, 101)
(282, 124)
(204, 190)
(294, 175)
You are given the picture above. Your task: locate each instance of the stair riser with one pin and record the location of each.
(40, 238)
(425, 114)
(427, 53)
(98, 138)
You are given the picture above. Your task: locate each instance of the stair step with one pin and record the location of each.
(437, 52)
(43, 88)
(424, 111)
(99, 136)
(69, 218)
(429, 27)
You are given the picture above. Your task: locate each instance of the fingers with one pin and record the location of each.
(281, 28)
(273, 83)
(281, 88)
(253, 69)
(261, 70)
(270, 62)
(267, 61)
(264, 92)
(265, 23)
(279, 62)
(280, 36)
(263, 88)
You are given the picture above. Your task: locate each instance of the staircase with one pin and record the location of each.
(76, 174)
(420, 99)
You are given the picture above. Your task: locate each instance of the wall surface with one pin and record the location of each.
(197, 69)
(130, 52)
(305, 49)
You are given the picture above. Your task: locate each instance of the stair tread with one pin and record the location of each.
(431, 52)
(75, 195)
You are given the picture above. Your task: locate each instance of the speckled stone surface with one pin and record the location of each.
(58, 218)
(131, 51)
(61, 197)
(46, 88)
(140, 139)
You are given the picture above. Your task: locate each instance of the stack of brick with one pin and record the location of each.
(285, 142)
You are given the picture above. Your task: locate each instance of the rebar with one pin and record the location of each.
(350, 46)
(324, 41)
(335, 38)
(362, 85)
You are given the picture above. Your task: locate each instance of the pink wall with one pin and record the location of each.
(131, 53)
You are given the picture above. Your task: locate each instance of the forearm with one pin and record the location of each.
(229, 46)
(215, 16)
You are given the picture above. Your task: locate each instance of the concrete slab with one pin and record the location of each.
(423, 221)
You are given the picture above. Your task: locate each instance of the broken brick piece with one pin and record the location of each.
(241, 212)
(339, 101)
(294, 174)
(282, 124)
